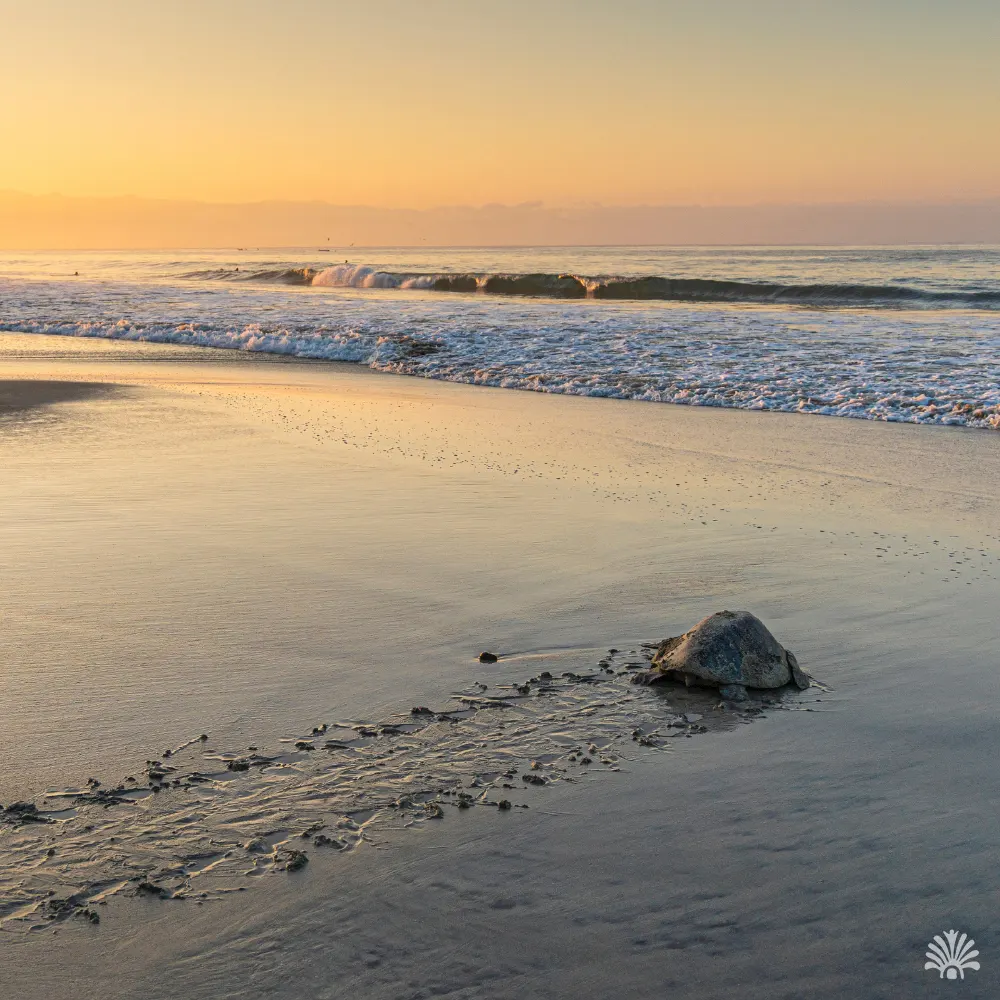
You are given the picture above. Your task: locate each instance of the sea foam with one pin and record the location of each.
(925, 365)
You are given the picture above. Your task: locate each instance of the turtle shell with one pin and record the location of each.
(727, 648)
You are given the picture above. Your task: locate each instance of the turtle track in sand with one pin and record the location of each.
(199, 822)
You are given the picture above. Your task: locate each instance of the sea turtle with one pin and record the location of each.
(731, 650)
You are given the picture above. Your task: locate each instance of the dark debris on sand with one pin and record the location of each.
(21, 813)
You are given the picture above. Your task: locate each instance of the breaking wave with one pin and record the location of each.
(646, 288)
(879, 335)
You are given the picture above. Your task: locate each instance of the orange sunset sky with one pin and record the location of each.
(420, 105)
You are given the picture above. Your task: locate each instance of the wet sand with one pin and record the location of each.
(249, 550)
(17, 396)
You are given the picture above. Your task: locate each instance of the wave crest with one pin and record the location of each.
(619, 287)
(355, 276)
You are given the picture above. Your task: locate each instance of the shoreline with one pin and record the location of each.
(159, 347)
(75, 350)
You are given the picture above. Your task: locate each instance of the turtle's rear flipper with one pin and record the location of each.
(799, 677)
(733, 692)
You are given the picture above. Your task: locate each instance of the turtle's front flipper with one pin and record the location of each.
(647, 677)
(801, 679)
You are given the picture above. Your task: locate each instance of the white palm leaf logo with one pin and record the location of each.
(952, 955)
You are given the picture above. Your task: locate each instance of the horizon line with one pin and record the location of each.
(523, 205)
(915, 245)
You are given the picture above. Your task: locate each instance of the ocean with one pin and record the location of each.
(904, 334)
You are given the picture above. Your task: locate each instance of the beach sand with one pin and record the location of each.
(246, 549)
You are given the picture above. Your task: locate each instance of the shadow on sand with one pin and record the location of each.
(18, 395)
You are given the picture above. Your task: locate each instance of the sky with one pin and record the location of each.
(437, 103)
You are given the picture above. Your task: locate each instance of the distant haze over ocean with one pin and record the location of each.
(59, 222)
